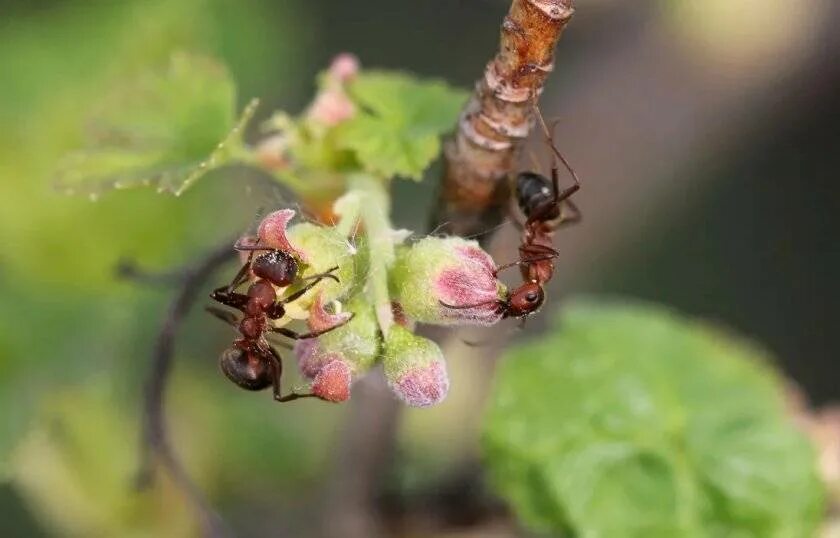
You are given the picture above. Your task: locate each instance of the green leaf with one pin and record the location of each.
(397, 129)
(165, 130)
(635, 422)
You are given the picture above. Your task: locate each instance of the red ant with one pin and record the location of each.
(544, 206)
(251, 362)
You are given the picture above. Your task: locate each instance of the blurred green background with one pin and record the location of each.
(706, 136)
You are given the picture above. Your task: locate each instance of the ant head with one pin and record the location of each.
(276, 266)
(248, 370)
(526, 299)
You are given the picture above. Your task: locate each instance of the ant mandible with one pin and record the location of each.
(546, 208)
(252, 363)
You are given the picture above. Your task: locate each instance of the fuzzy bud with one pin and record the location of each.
(331, 107)
(322, 248)
(415, 368)
(344, 67)
(332, 382)
(355, 343)
(435, 272)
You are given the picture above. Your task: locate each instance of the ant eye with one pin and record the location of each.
(531, 297)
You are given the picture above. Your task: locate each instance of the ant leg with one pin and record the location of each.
(277, 310)
(560, 196)
(553, 147)
(279, 343)
(567, 219)
(229, 298)
(313, 334)
(276, 376)
(251, 248)
(241, 275)
(542, 251)
(326, 274)
(318, 278)
(292, 396)
(553, 254)
(252, 245)
(225, 315)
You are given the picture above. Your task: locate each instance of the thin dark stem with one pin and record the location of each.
(155, 443)
(128, 270)
(362, 459)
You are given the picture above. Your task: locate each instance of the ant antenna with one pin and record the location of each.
(255, 221)
(554, 149)
(466, 307)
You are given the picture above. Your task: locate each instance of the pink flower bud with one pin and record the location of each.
(415, 368)
(447, 281)
(422, 386)
(332, 382)
(271, 152)
(344, 67)
(331, 107)
(272, 232)
(312, 357)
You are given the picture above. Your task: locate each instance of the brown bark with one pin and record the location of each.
(497, 117)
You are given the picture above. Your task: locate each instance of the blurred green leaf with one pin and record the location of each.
(635, 422)
(397, 129)
(76, 469)
(163, 129)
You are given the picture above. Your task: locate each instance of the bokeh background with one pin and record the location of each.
(706, 134)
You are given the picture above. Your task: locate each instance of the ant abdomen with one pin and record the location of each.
(276, 266)
(533, 191)
(244, 369)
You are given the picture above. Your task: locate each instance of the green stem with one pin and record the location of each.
(347, 208)
(372, 205)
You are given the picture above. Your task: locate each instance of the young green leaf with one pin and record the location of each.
(397, 129)
(635, 422)
(165, 130)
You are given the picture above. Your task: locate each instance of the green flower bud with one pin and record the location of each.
(321, 248)
(355, 343)
(415, 368)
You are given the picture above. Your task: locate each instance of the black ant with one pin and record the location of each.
(546, 208)
(252, 363)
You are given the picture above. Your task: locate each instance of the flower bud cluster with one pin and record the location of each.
(444, 281)
(292, 140)
(332, 105)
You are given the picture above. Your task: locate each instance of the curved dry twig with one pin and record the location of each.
(156, 446)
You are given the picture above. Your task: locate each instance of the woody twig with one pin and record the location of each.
(498, 117)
